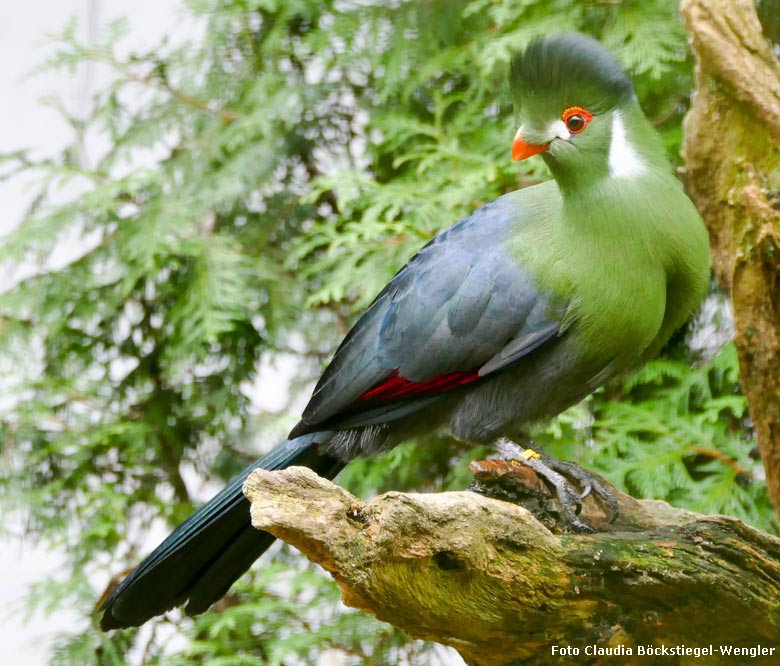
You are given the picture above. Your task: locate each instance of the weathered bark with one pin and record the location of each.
(486, 577)
(732, 156)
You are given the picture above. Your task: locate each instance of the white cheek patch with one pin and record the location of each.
(624, 161)
(556, 130)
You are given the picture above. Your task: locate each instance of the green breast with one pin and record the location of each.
(627, 262)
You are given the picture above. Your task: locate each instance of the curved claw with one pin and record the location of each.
(566, 495)
(555, 473)
(589, 482)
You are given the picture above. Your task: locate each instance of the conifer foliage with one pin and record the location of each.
(259, 187)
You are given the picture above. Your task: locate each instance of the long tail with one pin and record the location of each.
(203, 556)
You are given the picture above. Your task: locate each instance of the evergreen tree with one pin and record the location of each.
(302, 151)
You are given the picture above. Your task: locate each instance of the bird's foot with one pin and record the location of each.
(557, 474)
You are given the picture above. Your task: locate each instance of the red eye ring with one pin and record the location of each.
(576, 119)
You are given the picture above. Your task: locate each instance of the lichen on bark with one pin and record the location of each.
(732, 173)
(488, 578)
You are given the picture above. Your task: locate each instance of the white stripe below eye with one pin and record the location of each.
(624, 161)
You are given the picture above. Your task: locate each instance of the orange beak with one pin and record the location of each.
(522, 150)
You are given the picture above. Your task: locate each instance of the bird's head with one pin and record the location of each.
(576, 107)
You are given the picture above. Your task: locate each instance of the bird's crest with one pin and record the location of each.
(577, 68)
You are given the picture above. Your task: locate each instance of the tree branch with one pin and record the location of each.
(732, 156)
(488, 578)
(189, 100)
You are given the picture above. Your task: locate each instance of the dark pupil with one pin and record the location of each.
(575, 123)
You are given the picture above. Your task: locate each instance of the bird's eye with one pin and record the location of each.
(576, 119)
(575, 123)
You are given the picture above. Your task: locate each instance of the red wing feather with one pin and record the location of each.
(395, 386)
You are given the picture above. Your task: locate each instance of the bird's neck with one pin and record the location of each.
(633, 152)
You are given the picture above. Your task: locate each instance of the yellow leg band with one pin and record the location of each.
(530, 453)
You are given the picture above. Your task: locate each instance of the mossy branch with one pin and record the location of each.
(488, 578)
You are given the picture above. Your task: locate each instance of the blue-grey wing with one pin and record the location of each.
(461, 309)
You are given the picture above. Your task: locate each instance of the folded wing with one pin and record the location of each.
(461, 310)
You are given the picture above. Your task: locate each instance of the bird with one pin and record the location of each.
(505, 319)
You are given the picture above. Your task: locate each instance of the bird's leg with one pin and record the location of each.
(568, 498)
(557, 474)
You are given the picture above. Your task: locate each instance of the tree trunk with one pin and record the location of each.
(488, 578)
(732, 156)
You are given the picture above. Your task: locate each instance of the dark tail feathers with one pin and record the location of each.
(203, 556)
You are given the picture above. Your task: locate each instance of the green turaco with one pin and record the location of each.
(504, 319)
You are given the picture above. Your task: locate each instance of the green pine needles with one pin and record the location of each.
(260, 185)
